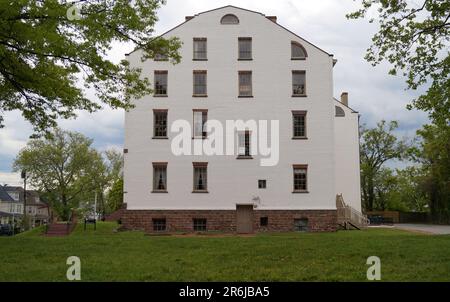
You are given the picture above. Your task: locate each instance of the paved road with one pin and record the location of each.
(428, 228)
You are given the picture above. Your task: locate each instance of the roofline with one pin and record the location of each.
(353, 110)
(248, 10)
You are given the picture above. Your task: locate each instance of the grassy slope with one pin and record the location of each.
(107, 255)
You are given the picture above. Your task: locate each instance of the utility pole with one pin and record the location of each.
(25, 222)
(95, 206)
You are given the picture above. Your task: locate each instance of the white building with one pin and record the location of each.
(240, 65)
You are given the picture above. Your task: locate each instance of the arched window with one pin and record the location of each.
(339, 111)
(298, 52)
(229, 19)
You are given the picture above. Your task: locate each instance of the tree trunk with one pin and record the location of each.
(370, 192)
(65, 207)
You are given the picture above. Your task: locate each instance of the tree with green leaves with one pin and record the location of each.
(385, 182)
(115, 196)
(433, 153)
(377, 146)
(414, 38)
(48, 47)
(59, 166)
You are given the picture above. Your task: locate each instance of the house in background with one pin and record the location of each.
(11, 209)
(12, 202)
(239, 64)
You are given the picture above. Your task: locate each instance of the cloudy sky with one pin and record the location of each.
(372, 92)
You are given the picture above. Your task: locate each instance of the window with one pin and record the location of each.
(199, 224)
(298, 83)
(298, 124)
(300, 178)
(301, 225)
(160, 57)
(159, 123)
(160, 83)
(339, 111)
(245, 48)
(200, 49)
(262, 183)
(200, 119)
(159, 177)
(14, 195)
(245, 83)
(244, 144)
(229, 19)
(159, 224)
(200, 177)
(264, 221)
(298, 52)
(199, 83)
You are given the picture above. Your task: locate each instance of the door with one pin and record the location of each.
(244, 218)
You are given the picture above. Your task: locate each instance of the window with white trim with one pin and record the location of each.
(298, 83)
(200, 49)
(159, 177)
(300, 178)
(245, 48)
(199, 121)
(200, 176)
(244, 138)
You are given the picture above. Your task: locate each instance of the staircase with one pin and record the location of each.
(56, 229)
(117, 215)
(348, 217)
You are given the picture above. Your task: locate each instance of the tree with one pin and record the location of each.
(414, 39)
(58, 167)
(409, 194)
(115, 196)
(47, 47)
(377, 146)
(385, 183)
(433, 153)
(105, 171)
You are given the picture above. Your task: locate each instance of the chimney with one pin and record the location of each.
(272, 18)
(187, 18)
(344, 98)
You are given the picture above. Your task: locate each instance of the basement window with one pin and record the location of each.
(301, 225)
(264, 221)
(262, 183)
(159, 224)
(199, 224)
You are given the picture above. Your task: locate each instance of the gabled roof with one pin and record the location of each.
(244, 9)
(336, 100)
(4, 196)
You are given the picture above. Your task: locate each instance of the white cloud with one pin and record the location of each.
(372, 92)
(11, 179)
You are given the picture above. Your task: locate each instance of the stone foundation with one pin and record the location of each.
(225, 220)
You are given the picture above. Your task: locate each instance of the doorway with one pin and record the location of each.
(244, 219)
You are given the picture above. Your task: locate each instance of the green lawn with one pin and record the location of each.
(109, 255)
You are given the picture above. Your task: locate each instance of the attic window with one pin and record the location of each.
(229, 19)
(339, 111)
(298, 52)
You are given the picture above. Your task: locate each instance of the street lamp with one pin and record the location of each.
(24, 177)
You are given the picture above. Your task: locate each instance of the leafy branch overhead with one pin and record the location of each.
(44, 54)
(414, 38)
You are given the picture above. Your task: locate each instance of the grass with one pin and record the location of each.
(107, 255)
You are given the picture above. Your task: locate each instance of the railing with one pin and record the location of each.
(347, 214)
(72, 221)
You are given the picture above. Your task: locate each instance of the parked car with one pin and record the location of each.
(6, 230)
